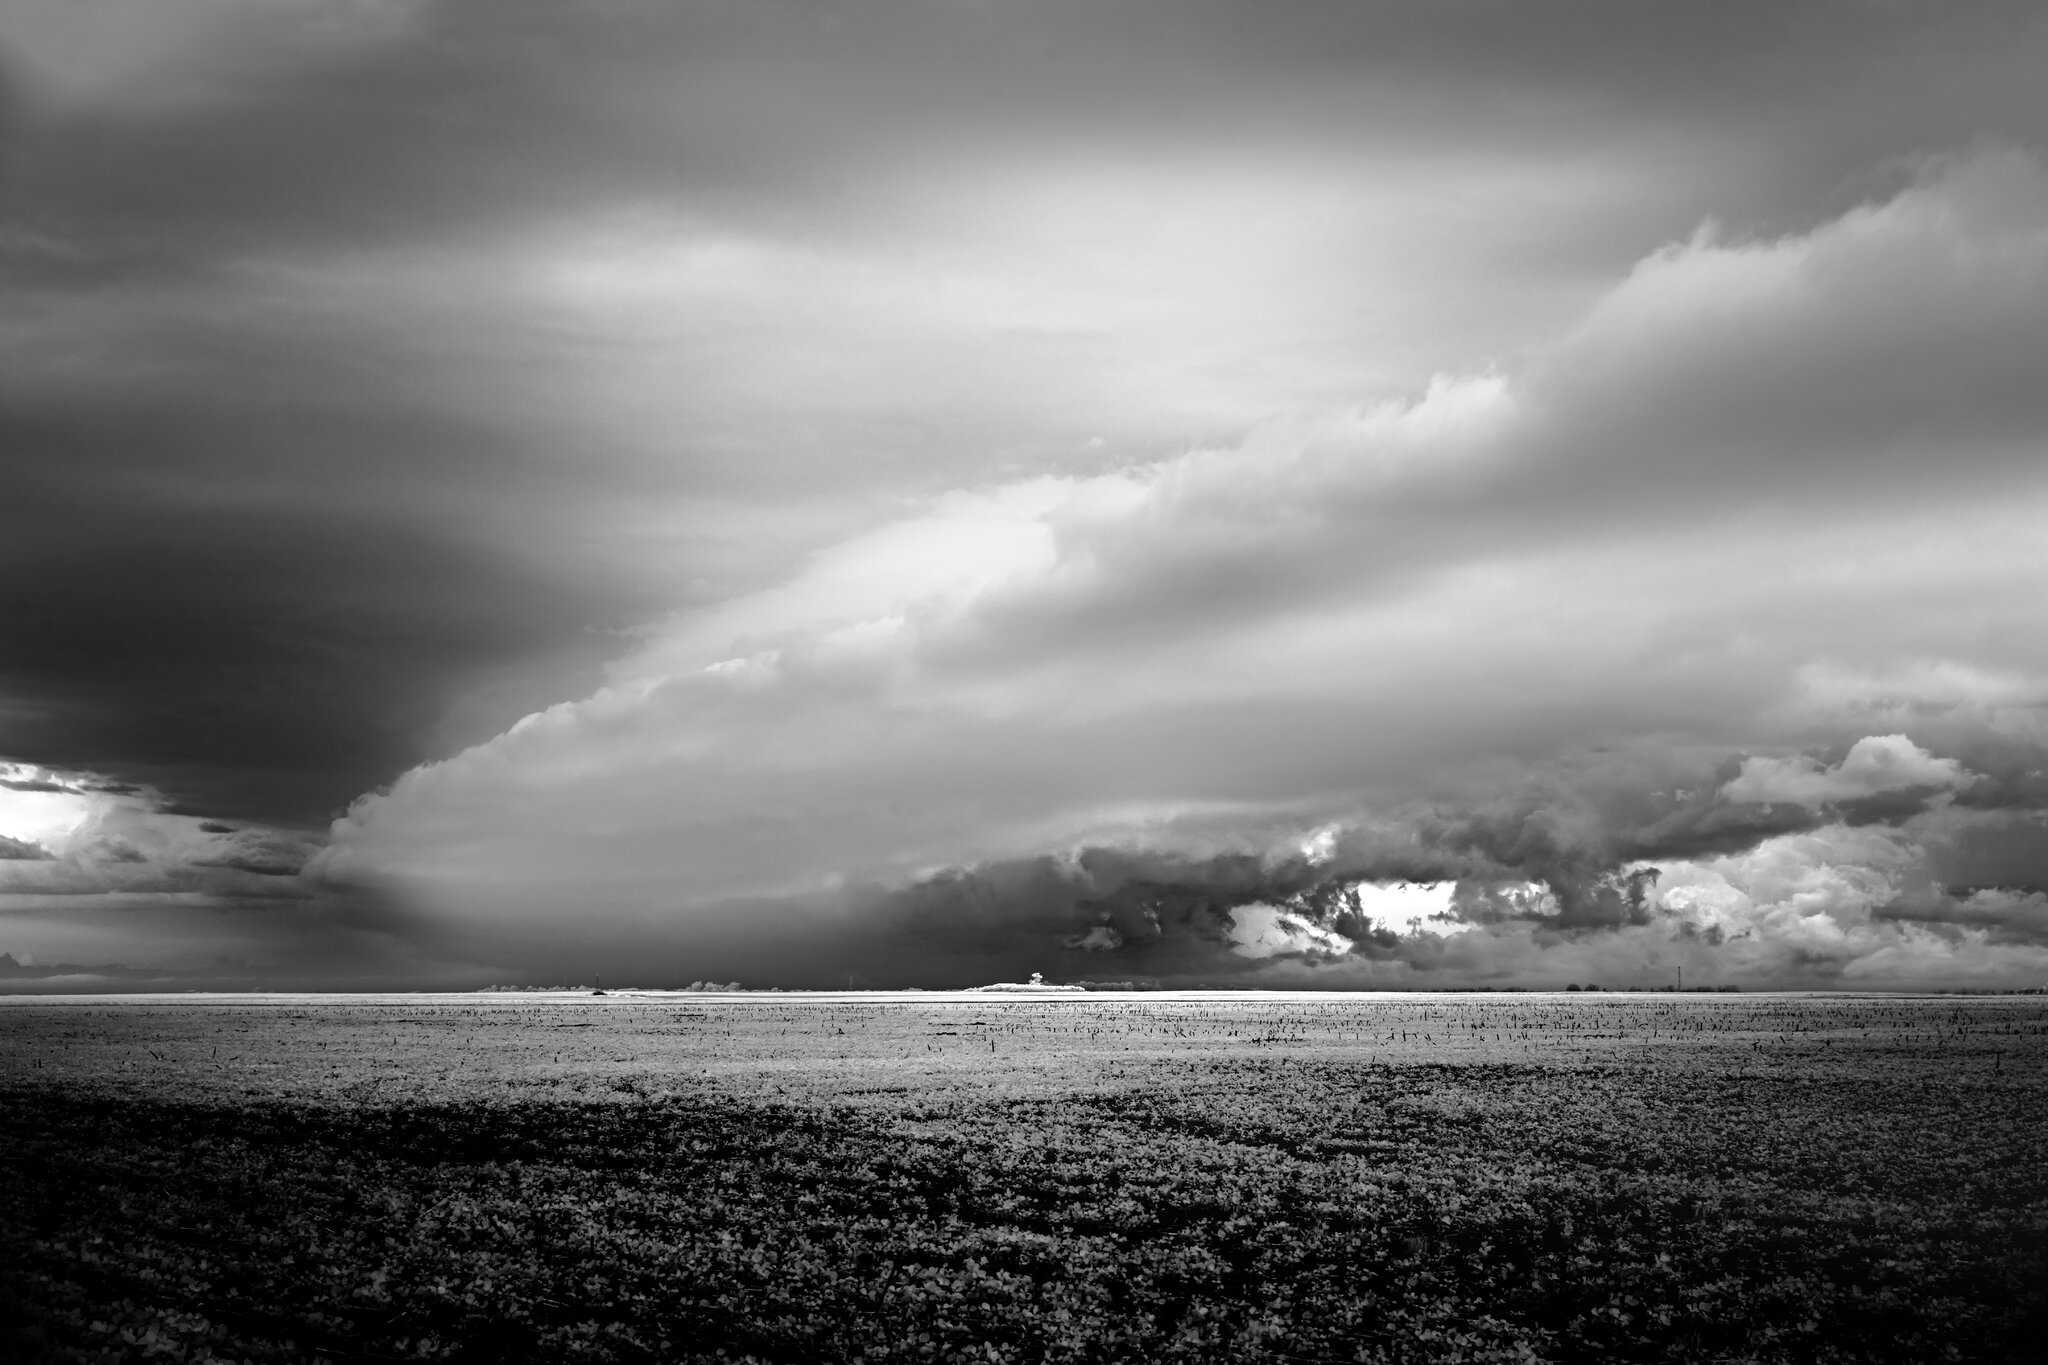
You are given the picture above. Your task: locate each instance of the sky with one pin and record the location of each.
(916, 492)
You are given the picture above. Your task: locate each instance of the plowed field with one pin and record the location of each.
(1108, 1177)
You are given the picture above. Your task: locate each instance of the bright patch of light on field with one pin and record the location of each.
(1410, 907)
(1265, 930)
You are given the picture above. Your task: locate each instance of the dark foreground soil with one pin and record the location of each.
(1206, 1206)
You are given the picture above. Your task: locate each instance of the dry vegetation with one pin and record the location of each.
(923, 1178)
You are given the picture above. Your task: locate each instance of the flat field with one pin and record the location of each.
(958, 1177)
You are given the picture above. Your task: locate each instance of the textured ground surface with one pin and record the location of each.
(1617, 1177)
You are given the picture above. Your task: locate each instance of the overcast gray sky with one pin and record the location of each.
(943, 490)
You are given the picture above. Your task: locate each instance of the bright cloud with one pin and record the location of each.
(99, 883)
(1874, 764)
(1852, 906)
(1258, 931)
(1241, 646)
(1411, 907)
(37, 808)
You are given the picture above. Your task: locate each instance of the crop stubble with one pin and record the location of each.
(1412, 1178)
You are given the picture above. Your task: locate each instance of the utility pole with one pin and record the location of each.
(1681, 978)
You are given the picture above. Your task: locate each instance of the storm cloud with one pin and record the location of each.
(1639, 545)
(737, 491)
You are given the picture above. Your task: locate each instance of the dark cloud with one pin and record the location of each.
(21, 849)
(1532, 881)
(265, 853)
(1995, 849)
(2010, 914)
(1600, 879)
(1702, 828)
(265, 660)
(464, 113)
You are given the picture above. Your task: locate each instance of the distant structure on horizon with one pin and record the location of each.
(1036, 986)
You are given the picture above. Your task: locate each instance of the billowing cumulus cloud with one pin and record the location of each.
(1875, 765)
(1553, 605)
